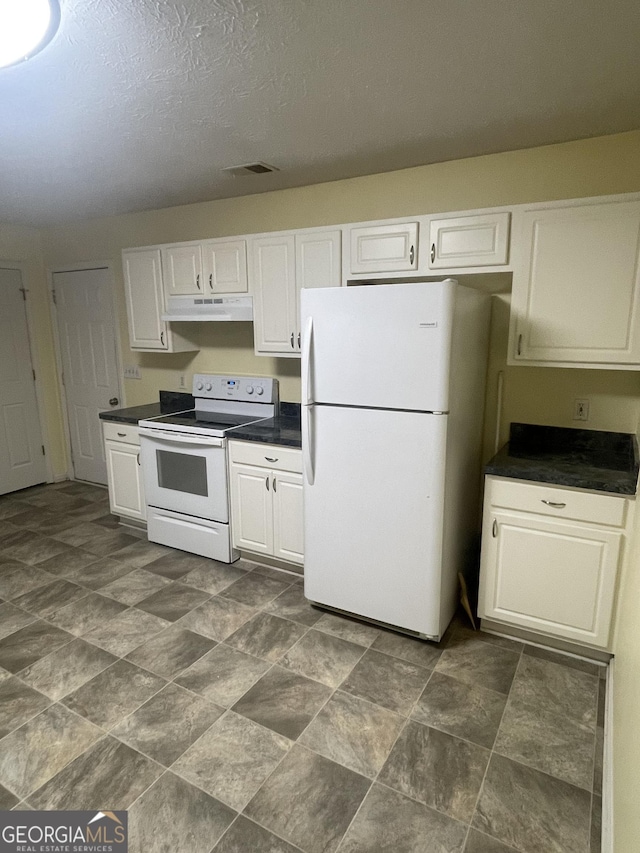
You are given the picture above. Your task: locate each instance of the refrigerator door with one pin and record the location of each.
(373, 513)
(384, 346)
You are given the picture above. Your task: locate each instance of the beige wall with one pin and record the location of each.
(23, 245)
(599, 166)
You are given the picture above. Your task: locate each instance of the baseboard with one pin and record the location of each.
(272, 563)
(542, 641)
(607, 767)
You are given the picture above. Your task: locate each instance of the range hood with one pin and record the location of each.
(208, 308)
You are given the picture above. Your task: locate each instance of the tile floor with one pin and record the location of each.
(226, 714)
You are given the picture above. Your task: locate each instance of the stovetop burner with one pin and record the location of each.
(222, 403)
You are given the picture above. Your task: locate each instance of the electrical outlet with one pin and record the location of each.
(131, 371)
(183, 382)
(581, 410)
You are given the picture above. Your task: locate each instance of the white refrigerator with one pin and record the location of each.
(393, 386)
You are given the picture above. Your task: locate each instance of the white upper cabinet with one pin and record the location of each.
(145, 299)
(384, 248)
(144, 293)
(318, 259)
(469, 241)
(182, 267)
(576, 285)
(273, 280)
(225, 266)
(281, 264)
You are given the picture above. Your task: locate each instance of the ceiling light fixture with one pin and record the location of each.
(26, 26)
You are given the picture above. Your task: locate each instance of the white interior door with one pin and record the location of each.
(86, 324)
(22, 462)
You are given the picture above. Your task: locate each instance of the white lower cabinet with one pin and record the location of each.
(550, 559)
(266, 500)
(124, 475)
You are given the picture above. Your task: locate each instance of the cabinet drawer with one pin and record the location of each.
(557, 502)
(270, 456)
(120, 432)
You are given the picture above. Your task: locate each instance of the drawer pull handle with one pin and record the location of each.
(519, 344)
(198, 281)
(122, 434)
(554, 504)
(433, 252)
(494, 528)
(412, 255)
(292, 344)
(138, 458)
(274, 485)
(271, 458)
(266, 483)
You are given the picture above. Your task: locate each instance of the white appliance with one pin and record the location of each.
(184, 463)
(393, 384)
(208, 308)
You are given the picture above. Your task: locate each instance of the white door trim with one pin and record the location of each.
(89, 265)
(35, 361)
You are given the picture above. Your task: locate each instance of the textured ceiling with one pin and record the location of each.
(139, 104)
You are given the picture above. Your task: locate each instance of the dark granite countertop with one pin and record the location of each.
(283, 429)
(170, 401)
(578, 458)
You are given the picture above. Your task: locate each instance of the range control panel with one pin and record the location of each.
(251, 389)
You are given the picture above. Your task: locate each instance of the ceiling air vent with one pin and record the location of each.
(250, 169)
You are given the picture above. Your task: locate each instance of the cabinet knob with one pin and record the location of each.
(494, 528)
(412, 254)
(114, 401)
(433, 252)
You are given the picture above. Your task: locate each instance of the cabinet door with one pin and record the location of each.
(287, 516)
(126, 490)
(145, 299)
(225, 266)
(182, 266)
(576, 285)
(274, 290)
(318, 264)
(469, 241)
(553, 577)
(251, 508)
(384, 248)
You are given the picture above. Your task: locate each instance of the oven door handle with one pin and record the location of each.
(175, 438)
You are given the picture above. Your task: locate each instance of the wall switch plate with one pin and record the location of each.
(182, 385)
(131, 371)
(581, 410)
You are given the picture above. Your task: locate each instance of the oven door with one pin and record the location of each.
(185, 473)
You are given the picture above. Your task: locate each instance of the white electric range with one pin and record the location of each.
(184, 463)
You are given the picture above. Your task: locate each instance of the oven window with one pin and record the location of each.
(182, 472)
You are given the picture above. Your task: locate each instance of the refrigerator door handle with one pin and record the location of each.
(307, 442)
(307, 398)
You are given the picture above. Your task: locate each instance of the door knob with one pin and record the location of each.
(114, 401)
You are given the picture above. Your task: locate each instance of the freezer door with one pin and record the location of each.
(385, 346)
(373, 507)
